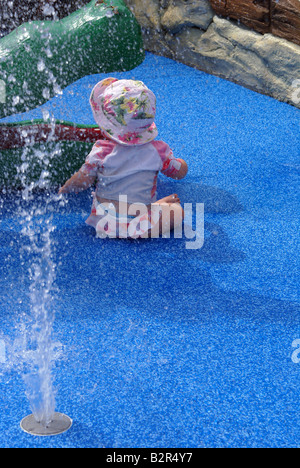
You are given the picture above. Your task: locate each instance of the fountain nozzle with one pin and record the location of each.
(60, 423)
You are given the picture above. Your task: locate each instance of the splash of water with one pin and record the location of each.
(37, 227)
(40, 391)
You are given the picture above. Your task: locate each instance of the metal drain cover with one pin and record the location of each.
(59, 424)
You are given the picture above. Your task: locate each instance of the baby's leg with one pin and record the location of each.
(171, 217)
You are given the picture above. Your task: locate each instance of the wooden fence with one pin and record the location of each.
(279, 17)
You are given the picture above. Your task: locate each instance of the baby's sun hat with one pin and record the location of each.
(125, 111)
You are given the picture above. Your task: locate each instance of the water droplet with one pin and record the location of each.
(46, 93)
(48, 52)
(41, 65)
(16, 100)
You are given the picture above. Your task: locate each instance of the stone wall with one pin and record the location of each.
(190, 31)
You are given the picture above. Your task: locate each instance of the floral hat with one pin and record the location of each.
(125, 111)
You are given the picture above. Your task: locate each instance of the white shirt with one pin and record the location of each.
(129, 170)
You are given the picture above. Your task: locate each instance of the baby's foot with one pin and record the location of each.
(170, 199)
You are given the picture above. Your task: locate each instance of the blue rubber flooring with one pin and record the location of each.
(164, 346)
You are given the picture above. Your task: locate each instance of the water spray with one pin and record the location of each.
(39, 349)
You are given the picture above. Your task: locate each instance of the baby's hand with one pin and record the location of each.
(183, 170)
(79, 181)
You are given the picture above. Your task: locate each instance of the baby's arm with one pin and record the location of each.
(182, 171)
(88, 173)
(78, 182)
(175, 168)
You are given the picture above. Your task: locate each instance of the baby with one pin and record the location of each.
(126, 165)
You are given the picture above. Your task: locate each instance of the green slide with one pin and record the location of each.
(40, 58)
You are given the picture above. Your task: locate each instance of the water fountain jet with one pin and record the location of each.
(38, 350)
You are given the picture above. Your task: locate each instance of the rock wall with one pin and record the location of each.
(190, 31)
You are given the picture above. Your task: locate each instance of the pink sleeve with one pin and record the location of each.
(95, 160)
(170, 165)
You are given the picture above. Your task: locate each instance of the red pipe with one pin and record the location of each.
(22, 135)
